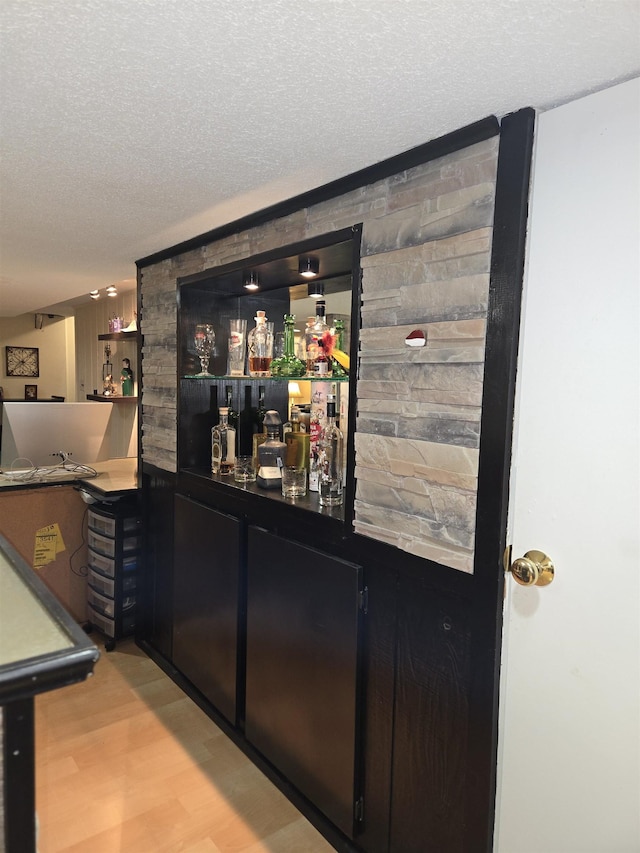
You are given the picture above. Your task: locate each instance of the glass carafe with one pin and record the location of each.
(260, 346)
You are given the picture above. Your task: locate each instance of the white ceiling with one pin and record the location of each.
(127, 126)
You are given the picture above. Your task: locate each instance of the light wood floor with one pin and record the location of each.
(126, 763)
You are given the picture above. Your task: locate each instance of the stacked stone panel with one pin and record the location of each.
(425, 264)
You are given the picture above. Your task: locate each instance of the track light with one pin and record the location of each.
(94, 294)
(308, 267)
(251, 280)
(315, 289)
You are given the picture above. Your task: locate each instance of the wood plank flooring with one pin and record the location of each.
(126, 763)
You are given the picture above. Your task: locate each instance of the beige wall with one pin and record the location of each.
(71, 358)
(56, 344)
(92, 320)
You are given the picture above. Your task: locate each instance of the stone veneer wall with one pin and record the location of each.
(426, 250)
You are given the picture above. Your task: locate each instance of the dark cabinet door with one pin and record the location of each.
(154, 605)
(302, 669)
(205, 615)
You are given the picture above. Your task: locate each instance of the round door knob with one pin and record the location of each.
(534, 569)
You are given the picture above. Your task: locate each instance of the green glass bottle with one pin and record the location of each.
(288, 365)
(337, 368)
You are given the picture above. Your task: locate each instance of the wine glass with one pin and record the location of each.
(204, 339)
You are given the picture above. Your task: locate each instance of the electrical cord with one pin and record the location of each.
(82, 571)
(76, 470)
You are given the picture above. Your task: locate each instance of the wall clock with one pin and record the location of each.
(22, 361)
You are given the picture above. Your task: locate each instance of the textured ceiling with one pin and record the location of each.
(129, 125)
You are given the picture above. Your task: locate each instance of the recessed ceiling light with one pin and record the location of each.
(251, 280)
(308, 267)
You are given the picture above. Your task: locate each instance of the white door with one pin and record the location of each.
(569, 746)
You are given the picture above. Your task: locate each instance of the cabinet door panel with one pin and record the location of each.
(206, 572)
(302, 669)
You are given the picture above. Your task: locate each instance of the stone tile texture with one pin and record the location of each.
(426, 252)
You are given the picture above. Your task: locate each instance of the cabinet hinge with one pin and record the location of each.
(363, 599)
(358, 811)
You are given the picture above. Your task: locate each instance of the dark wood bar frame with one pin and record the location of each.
(429, 637)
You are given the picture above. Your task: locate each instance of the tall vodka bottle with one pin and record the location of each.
(223, 445)
(330, 460)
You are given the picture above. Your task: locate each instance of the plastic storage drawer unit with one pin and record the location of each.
(113, 538)
(107, 586)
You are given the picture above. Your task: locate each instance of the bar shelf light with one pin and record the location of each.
(308, 266)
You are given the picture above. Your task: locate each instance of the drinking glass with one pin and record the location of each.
(237, 347)
(204, 339)
(244, 470)
(294, 481)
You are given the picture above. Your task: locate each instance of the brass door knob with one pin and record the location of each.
(534, 569)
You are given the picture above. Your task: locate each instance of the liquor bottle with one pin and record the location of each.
(233, 414)
(297, 442)
(330, 461)
(338, 369)
(260, 346)
(260, 411)
(244, 438)
(259, 435)
(288, 364)
(317, 420)
(223, 445)
(271, 454)
(319, 343)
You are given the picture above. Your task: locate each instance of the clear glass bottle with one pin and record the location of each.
(330, 459)
(288, 364)
(319, 342)
(260, 346)
(297, 442)
(271, 454)
(223, 445)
